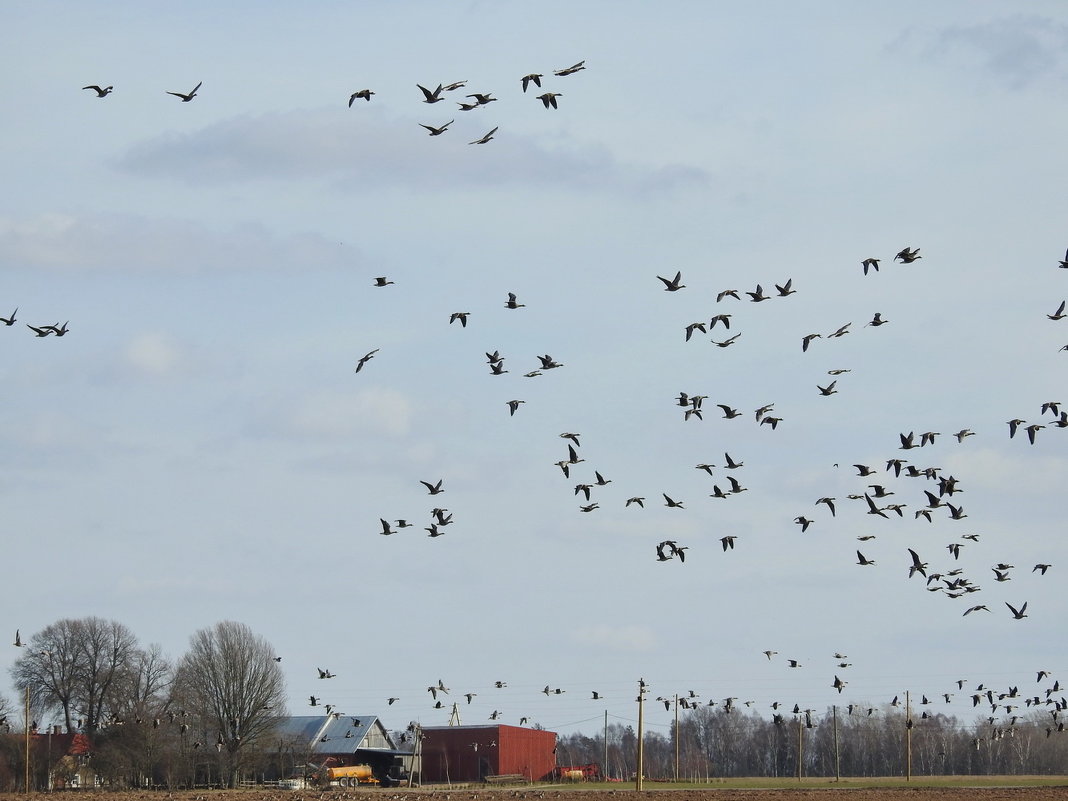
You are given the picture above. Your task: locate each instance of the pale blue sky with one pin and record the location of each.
(199, 447)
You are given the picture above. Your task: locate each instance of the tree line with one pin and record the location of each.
(203, 719)
(714, 742)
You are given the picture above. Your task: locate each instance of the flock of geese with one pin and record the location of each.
(430, 96)
(41, 331)
(1002, 707)
(883, 492)
(876, 492)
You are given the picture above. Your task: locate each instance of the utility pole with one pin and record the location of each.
(908, 738)
(800, 745)
(26, 728)
(417, 756)
(837, 755)
(676, 737)
(604, 770)
(641, 745)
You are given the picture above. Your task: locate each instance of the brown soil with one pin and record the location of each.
(528, 793)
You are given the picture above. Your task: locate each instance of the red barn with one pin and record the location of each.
(475, 753)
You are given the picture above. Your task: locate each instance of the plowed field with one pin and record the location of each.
(961, 792)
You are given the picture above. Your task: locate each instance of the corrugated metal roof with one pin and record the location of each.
(336, 733)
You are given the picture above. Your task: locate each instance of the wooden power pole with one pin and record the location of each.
(837, 754)
(676, 737)
(641, 745)
(26, 727)
(908, 738)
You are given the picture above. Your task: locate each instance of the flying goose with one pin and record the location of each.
(484, 138)
(673, 285)
(431, 97)
(758, 295)
(364, 94)
(433, 489)
(437, 131)
(99, 92)
(786, 290)
(570, 70)
(187, 97)
(695, 326)
(365, 358)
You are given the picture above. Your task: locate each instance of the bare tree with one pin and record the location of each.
(230, 682)
(108, 649)
(148, 741)
(6, 713)
(73, 665)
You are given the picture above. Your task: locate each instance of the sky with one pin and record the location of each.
(199, 446)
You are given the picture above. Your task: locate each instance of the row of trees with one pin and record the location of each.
(203, 719)
(716, 743)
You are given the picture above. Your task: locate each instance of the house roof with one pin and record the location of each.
(336, 733)
(76, 744)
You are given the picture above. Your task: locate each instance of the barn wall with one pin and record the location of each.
(527, 751)
(449, 753)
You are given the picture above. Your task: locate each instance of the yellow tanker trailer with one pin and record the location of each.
(348, 775)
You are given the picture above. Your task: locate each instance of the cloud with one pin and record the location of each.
(154, 355)
(1029, 474)
(620, 638)
(133, 243)
(383, 151)
(1017, 49)
(334, 414)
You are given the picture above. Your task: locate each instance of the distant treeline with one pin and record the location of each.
(716, 743)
